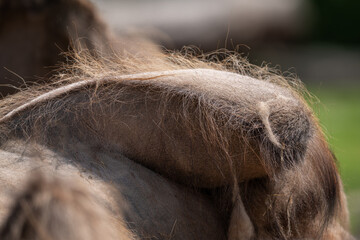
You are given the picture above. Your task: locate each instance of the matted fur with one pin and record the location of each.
(201, 123)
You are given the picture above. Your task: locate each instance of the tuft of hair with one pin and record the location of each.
(83, 63)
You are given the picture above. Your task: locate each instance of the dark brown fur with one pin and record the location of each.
(33, 34)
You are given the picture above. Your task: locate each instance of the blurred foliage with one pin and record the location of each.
(337, 21)
(339, 115)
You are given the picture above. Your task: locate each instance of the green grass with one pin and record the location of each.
(339, 115)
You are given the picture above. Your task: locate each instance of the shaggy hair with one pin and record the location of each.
(53, 209)
(202, 121)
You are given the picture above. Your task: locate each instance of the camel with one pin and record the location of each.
(167, 147)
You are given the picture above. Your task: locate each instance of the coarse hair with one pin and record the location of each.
(287, 177)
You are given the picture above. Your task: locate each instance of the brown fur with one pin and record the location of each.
(53, 209)
(150, 206)
(205, 128)
(33, 34)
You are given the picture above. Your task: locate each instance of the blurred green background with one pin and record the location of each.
(337, 23)
(338, 110)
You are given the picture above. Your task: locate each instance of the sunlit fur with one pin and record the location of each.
(214, 125)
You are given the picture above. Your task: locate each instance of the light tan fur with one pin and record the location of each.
(198, 124)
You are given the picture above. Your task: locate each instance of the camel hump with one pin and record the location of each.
(275, 116)
(233, 121)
